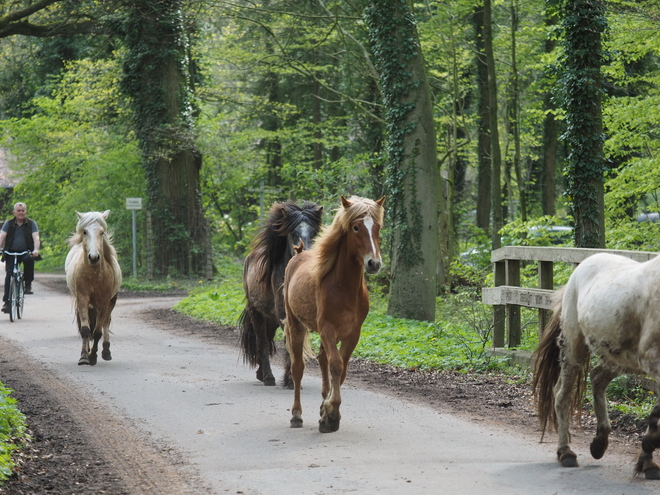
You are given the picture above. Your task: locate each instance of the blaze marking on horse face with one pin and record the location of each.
(369, 224)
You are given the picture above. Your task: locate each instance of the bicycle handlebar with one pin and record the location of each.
(17, 254)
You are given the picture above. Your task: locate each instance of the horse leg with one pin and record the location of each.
(563, 401)
(295, 334)
(95, 332)
(85, 333)
(600, 379)
(322, 359)
(287, 381)
(330, 416)
(105, 354)
(650, 442)
(265, 343)
(347, 347)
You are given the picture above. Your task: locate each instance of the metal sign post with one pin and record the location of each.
(134, 204)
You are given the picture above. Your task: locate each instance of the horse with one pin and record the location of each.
(288, 224)
(93, 277)
(325, 292)
(610, 307)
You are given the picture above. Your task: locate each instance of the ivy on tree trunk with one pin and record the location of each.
(584, 23)
(156, 78)
(412, 175)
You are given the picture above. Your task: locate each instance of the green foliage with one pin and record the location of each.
(73, 153)
(13, 431)
(627, 395)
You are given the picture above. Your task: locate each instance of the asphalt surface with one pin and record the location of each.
(180, 393)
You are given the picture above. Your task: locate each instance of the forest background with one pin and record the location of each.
(211, 111)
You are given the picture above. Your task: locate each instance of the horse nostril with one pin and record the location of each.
(373, 266)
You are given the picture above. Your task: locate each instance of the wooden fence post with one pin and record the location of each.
(546, 281)
(513, 310)
(498, 311)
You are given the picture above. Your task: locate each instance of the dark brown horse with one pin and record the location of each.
(287, 225)
(325, 292)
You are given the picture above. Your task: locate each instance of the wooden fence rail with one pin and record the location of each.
(507, 296)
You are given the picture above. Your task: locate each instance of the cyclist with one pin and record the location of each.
(19, 234)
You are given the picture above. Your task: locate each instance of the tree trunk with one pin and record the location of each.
(515, 116)
(496, 155)
(484, 180)
(155, 77)
(584, 22)
(413, 176)
(550, 138)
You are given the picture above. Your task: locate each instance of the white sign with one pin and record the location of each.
(133, 203)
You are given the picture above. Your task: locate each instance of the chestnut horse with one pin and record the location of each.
(325, 292)
(287, 225)
(610, 308)
(93, 277)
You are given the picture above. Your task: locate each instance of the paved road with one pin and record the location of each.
(182, 393)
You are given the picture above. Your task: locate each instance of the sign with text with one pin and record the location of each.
(133, 203)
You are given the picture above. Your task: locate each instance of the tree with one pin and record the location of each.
(412, 176)
(495, 153)
(156, 78)
(584, 23)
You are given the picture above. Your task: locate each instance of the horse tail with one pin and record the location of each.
(547, 361)
(248, 340)
(547, 366)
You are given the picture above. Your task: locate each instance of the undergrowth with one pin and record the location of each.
(13, 431)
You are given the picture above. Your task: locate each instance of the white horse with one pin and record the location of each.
(93, 276)
(610, 308)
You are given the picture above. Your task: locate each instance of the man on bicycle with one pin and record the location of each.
(19, 234)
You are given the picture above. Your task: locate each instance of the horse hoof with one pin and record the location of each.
(328, 426)
(652, 474)
(83, 361)
(92, 359)
(296, 422)
(105, 353)
(269, 381)
(598, 447)
(569, 460)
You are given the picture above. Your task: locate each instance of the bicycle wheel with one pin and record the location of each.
(13, 293)
(20, 298)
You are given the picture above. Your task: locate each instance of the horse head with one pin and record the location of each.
(91, 230)
(364, 230)
(301, 223)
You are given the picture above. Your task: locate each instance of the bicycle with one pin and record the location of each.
(16, 287)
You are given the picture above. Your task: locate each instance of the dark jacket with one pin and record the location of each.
(28, 236)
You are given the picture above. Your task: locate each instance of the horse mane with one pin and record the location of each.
(85, 221)
(270, 244)
(325, 250)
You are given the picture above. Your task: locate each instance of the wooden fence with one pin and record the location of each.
(508, 296)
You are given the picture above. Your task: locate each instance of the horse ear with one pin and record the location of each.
(105, 213)
(80, 215)
(345, 203)
(381, 201)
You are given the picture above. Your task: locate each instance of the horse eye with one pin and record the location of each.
(356, 228)
(84, 232)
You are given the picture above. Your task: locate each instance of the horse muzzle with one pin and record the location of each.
(93, 258)
(373, 266)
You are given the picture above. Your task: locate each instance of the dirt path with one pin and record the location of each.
(82, 445)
